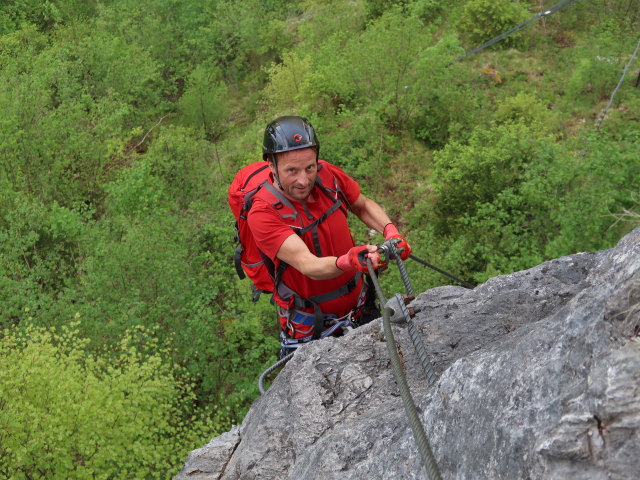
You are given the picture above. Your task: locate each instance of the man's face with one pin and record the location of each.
(297, 170)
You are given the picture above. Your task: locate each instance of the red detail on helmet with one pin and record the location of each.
(297, 137)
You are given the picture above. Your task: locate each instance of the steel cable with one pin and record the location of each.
(615, 90)
(410, 407)
(414, 335)
(280, 362)
(517, 28)
(447, 274)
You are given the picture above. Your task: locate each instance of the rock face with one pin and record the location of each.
(539, 378)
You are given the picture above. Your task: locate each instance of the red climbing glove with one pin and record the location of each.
(390, 231)
(356, 258)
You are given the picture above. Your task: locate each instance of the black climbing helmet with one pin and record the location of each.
(288, 133)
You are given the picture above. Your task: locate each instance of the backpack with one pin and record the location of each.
(248, 259)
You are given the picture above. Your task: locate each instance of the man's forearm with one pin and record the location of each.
(371, 213)
(295, 253)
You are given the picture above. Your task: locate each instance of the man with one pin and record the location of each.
(299, 221)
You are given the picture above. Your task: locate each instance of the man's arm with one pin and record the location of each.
(295, 252)
(371, 213)
(375, 217)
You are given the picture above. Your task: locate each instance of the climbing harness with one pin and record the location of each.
(396, 304)
(287, 343)
(249, 261)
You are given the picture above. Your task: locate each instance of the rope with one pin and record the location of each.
(414, 335)
(615, 90)
(403, 271)
(410, 408)
(416, 339)
(558, 6)
(279, 363)
(426, 264)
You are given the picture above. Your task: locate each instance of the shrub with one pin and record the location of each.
(204, 102)
(41, 251)
(285, 91)
(524, 108)
(443, 101)
(66, 414)
(481, 20)
(598, 68)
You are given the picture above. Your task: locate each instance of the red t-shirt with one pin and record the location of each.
(270, 230)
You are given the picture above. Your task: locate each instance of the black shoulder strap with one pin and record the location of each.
(282, 201)
(253, 174)
(335, 194)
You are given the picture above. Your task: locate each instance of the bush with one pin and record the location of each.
(468, 174)
(374, 69)
(595, 182)
(443, 101)
(481, 20)
(44, 15)
(285, 91)
(68, 111)
(66, 414)
(524, 108)
(41, 252)
(598, 68)
(376, 8)
(183, 161)
(489, 209)
(204, 102)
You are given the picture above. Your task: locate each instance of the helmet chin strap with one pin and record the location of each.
(276, 177)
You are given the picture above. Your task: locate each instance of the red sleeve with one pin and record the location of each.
(348, 185)
(268, 228)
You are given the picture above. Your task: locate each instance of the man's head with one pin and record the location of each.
(288, 133)
(295, 171)
(291, 147)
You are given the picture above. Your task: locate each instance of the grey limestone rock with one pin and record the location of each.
(539, 378)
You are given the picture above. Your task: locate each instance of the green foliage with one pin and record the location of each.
(429, 10)
(122, 123)
(375, 70)
(524, 108)
(442, 103)
(598, 68)
(68, 109)
(203, 102)
(66, 414)
(359, 145)
(184, 162)
(40, 253)
(287, 81)
(620, 15)
(136, 193)
(376, 8)
(468, 174)
(596, 181)
(323, 20)
(481, 20)
(484, 201)
(233, 39)
(45, 15)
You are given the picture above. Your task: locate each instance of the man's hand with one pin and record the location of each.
(390, 231)
(356, 258)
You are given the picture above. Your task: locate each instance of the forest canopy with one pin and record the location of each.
(124, 329)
